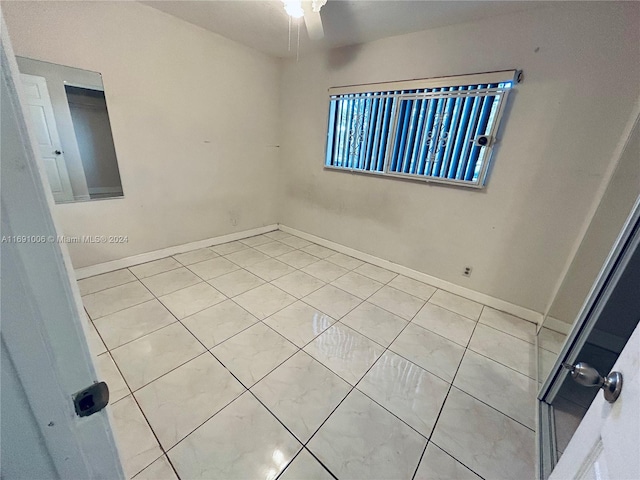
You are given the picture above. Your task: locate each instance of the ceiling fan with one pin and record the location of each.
(310, 11)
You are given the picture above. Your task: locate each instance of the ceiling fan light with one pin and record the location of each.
(293, 8)
(316, 5)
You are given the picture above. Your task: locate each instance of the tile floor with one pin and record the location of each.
(272, 357)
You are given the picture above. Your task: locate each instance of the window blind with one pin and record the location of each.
(444, 133)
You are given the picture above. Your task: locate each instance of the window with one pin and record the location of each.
(437, 130)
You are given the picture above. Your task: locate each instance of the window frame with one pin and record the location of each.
(513, 77)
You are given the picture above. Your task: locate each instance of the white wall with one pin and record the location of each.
(581, 65)
(194, 119)
(614, 208)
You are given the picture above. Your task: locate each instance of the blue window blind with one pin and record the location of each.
(440, 134)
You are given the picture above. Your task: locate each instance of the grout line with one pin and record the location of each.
(458, 461)
(507, 366)
(135, 279)
(492, 407)
(158, 273)
(301, 349)
(435, 424)
(304, 448)
(507, 333)
(120, 310)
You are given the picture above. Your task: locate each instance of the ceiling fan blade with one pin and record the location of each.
(313, 21)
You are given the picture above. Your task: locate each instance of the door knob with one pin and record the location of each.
(58, 152)
(586, 375)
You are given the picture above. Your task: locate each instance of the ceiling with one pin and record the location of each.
(263, 24)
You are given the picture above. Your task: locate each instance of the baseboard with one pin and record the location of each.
(104, 190)
(557, 325)
(498, 304)
(100, 268)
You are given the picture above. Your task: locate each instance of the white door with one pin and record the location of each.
(606, 445)
(44, 349)
(46, 132)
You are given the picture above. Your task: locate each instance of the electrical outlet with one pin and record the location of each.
(467, 271)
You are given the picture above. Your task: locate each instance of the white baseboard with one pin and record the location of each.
(498, 304)
(100, 268)
(103, 190)
(557, 325)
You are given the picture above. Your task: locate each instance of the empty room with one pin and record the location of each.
(343, 239)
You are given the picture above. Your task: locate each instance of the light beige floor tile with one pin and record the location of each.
(358, 285)
(270, 269)
(305, 467)
(264, 301)
(153, 355)
(158, 470)
(506, 390)
(195, 256)
(509, 324)
(505, 349)
(236, 282)
(213, 268)
(227, 248)
(484, 439)
(277, 235)
(150, 269)
(325, 271)
(180, 401)
(96, 345)
(257, 240)
(345, 352)
(299, 323)
(302, 393)
(295, 242)
(298, 259)
(376, 273)
(170, 281)
(243, 441)
(104, 281)
(432, 352)
(362, 440)
(397, 302)
(438, 465)
(115, 299)
(345, 261)
(550, 340)
(331, 300)
(133, 322)
(190, 300)
(546, 361)
(218, 323)
(273, 249)
(413, 287)
(137, 446)
(247, 257)
(406, 390)
(375, 323)
(298, 284)
(108, 372)
(446, 323)
(253, 353)
(457, 304)
(318, 251)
